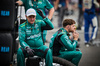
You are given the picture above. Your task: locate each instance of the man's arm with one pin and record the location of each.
(67, 3)
(50, 8)
(22, 36)
(67, 43)
(51, 13)
(46, 24)
(19, 2)
(56, 4)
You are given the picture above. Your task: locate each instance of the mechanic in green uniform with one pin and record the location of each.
(62, 45)
(38, 4)
(31, 40)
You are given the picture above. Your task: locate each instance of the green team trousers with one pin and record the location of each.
(73, 56)
(41, 53)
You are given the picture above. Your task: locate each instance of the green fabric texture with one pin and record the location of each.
(38, 4)
(30, 35)
(68, 47)
(21, 57)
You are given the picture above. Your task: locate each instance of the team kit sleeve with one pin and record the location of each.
(22, 36)
(68, 44)
(48, 5)
(47, 24)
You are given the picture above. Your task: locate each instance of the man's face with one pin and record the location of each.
(31, 19)
(72, 28)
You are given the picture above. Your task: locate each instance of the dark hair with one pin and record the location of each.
(68, 22)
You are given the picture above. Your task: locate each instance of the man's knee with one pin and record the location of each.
(79, 54)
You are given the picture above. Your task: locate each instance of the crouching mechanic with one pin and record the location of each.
(30, 38)
(61, 44)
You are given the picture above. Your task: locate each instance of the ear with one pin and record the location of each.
(68, 26)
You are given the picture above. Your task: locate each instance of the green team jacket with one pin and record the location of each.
(30, 34)
(60, 42)
(38, 4)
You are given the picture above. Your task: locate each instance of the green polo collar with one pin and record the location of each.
(63, 30)
(31, 24)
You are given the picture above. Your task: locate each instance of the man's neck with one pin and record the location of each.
(66, 30)
(34, 0)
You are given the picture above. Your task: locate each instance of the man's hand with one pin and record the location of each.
(40, 13)
(75, 35)
(19, 3)
(29, 51)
